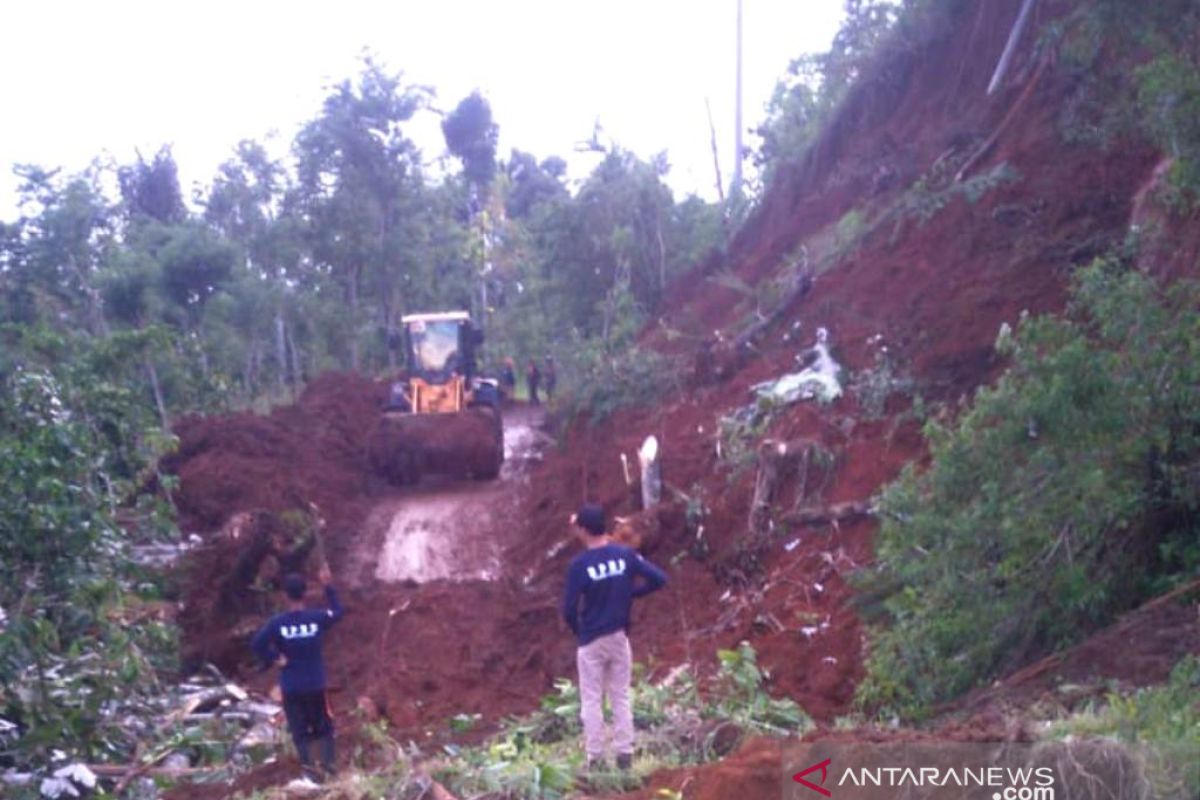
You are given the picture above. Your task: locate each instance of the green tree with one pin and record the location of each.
(150, 189)
(531, 183)
(471, 136)
(1064, 495)
(815, 84)
(356, 173)
(53, 251)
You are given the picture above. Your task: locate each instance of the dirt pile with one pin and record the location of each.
(403, 447)
(310, 452)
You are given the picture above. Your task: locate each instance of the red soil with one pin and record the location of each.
(937, 292)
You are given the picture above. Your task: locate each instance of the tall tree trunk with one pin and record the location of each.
(1014, 37)
(662, 255)
(281, 348)
(355, 274)
(735, 186)
(389, 325)
(295, 354)
(152, 372)
(248, 369)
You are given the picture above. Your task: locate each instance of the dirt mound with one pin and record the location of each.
(404, 447)
(310, 452)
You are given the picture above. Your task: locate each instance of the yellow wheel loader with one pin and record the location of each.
(444, 419)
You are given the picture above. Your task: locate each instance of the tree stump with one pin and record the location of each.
(776, 460)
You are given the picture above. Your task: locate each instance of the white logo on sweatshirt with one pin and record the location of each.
(305, 631)
(606, 569)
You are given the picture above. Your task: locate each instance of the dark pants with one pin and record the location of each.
(308, 720)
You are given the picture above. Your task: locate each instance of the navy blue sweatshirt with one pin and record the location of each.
(606, 578)
(297, 635)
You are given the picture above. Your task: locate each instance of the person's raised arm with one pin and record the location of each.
(335, 607)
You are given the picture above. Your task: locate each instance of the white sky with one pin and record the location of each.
(82, 79)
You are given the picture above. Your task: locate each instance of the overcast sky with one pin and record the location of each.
(83, 79)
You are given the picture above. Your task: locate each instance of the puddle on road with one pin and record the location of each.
(456, 532)
(430, 539)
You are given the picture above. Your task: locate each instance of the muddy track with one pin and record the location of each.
(451, 529)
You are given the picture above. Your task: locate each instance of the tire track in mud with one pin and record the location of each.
(452, 530)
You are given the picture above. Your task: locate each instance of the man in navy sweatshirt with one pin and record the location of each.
(294, 638)
(607, 577)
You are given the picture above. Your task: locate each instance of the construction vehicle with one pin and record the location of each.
(443, 417)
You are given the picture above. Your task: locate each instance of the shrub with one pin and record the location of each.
(1065, 494)
(1158, 727)
(77, 676)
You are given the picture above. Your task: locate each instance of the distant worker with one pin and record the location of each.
(533, 376)
(293, 639)
(606, 577)
(398, 397)
(508, 378)
(551, 378)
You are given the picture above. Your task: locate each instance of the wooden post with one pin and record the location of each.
(651, 473)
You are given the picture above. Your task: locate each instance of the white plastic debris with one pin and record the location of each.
(809, 631)
(828, 660)
(14, 778)
(819, 380)
(8, 730)
(819, 587)
(67, 780)
(302, 786)
(792, 545)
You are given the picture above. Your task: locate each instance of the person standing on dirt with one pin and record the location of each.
(533, 376)
(508, 378)
(607, 577)
(398, 396)
(293, 639)
(551, 378)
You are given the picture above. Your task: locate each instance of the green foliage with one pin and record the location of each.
(600, 380)
(1162, 723)
(741, 432)
(1169, 101)
(931, 193)
(741, 698)
(471, 135)
(75, 446)
(815, 84)
(538, 756)
(1066, 493)
(875, 385)
(1121, 93)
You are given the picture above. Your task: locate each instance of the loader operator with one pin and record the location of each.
(606, 576)
(294, 639)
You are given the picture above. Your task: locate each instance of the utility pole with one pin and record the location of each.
(736, 185)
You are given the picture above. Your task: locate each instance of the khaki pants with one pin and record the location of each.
(605, 667)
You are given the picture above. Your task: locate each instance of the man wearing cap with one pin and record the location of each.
(607, 577)
(294, 638)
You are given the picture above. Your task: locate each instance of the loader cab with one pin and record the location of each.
(441, 360)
